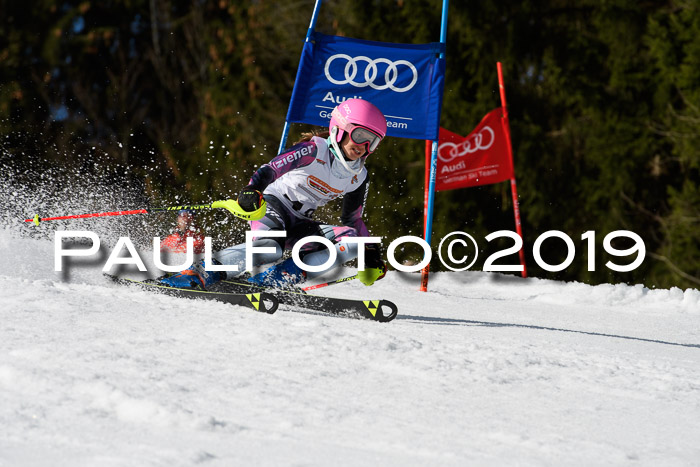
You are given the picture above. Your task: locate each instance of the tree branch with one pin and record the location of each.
(674, 268)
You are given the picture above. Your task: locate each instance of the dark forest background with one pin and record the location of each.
(184, 99)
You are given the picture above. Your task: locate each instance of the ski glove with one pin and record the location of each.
(368, 276)
(250, 199)
(375, 268)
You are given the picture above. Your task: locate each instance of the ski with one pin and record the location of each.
(261, 301)
(375, 310)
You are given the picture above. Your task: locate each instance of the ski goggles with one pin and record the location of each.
(362, 135)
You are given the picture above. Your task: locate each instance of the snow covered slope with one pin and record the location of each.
(485, 369)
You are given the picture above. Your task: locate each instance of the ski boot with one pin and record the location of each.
(194, 277)
(284, 274)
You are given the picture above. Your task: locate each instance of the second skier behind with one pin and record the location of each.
(294, 184)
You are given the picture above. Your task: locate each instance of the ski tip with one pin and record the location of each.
(264, 302)
(382, 310)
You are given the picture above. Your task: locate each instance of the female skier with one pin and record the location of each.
(294, 184)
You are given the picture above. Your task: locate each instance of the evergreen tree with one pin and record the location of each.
(188, 98)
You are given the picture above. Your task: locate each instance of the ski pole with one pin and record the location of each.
(337, 281)
(229, 204)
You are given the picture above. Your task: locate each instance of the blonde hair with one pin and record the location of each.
(306, 136)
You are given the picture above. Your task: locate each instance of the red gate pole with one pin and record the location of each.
(425, 272)
(513, 188)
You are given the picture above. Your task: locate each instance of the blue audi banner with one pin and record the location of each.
(405, 81)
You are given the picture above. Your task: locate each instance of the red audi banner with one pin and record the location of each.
(482, 158)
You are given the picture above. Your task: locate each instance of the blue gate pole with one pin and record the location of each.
(312, 26)
(433, 163)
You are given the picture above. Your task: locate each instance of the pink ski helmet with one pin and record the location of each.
(354, 113)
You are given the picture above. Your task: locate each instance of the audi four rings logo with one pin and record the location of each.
(481, 141)
(391, 75)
